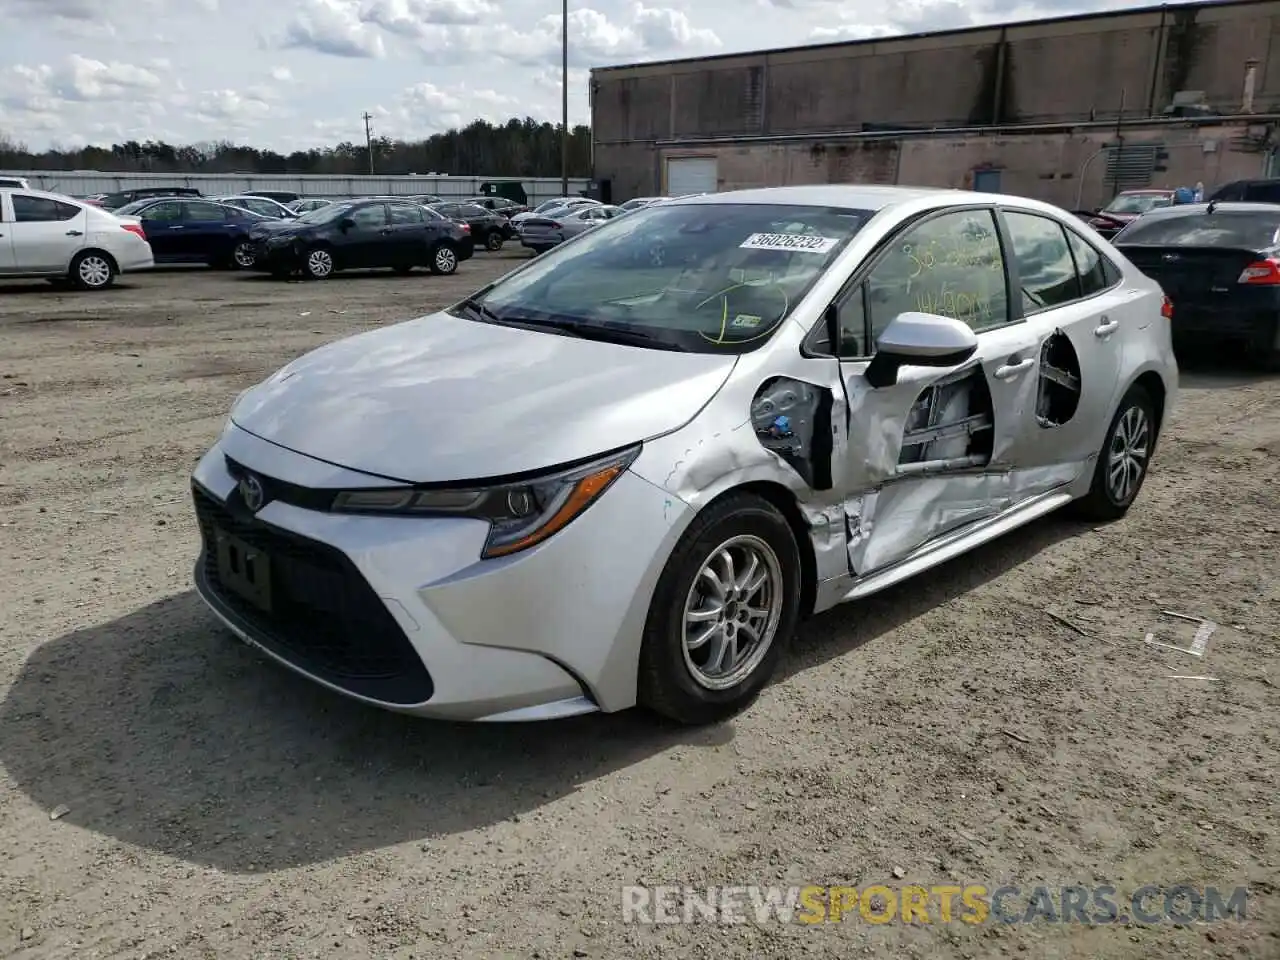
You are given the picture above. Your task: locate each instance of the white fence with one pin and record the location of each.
(86, 182)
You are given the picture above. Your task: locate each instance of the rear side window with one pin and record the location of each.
(1046, 268)
(472, 210)
(41, 210)
(1251, 230)
(404, 213)
(205, 213)
(1091, 266)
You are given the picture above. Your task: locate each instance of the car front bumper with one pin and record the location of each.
(401, 613)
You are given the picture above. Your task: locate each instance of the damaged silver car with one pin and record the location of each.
(622, 473)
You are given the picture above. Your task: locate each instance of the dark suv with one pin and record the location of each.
(490, 230)
(357, 234)
(1250, 191)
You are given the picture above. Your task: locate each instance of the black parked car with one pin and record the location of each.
(358, 234)
(196, 231)
(279, 196)
(1220, 265)
(490, 230)
(114, 201)
(508, 208)
(1249, 191)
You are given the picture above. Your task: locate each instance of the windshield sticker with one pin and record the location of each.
(747, 320)
(789, 241)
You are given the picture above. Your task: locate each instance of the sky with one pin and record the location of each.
(295, 74)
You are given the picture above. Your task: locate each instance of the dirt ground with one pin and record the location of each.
(166, 792)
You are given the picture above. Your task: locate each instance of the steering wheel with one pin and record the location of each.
(745, 311)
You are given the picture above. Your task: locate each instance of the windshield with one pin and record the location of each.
(706, 277)
(325, 214)
(1137, 202)
(1253, 231)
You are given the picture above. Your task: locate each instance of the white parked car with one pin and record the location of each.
(52, 236)
(262, 206)
(622, 473)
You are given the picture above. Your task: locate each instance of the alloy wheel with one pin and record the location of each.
(446, 260)
(243, 255)
(1128, 454)
(319, 263)
(732, 612)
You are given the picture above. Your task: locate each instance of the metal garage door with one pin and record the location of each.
(687, 175)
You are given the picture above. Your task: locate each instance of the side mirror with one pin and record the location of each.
(919, 340)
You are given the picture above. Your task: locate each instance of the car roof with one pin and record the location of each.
(1227, 206)
(1162, 191)
(852, 196)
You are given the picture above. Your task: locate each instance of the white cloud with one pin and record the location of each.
(188, 70)
(333, 27)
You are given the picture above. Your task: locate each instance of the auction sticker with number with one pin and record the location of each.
(800, 242)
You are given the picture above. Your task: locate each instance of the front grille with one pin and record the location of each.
(324, 617)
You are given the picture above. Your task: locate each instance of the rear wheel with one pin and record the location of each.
(242, 255)
(444, 259)
(493, 242)
(723, 611)
(318, 264)
(1123, 460)
(92, 270)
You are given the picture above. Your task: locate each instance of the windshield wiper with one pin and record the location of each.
(605, 333)
(480, 310)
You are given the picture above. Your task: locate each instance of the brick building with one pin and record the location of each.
(1066, 110)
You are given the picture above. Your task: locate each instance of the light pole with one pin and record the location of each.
(564, 98)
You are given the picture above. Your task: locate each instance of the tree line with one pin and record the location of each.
(517, 148)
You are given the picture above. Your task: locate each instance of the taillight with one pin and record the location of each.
(554, 225)
(135, 229)
(465, 227)
(1264, 272)
(1166, 309)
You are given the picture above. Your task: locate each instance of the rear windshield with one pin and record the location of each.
(713, 277)
(1254, 231)
(1137, 202)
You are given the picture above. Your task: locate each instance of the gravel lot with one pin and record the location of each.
(211, 805)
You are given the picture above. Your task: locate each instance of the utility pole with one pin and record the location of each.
(564, 98)
(368, 138)
(1119, 155)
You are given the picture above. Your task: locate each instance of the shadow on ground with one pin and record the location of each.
(160, 730)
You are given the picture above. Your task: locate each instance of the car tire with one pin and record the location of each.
(493, 242)
(243, 256)
(444, 259)
(678, 678)
(1123, 460)
(318, 264)
(92, 270)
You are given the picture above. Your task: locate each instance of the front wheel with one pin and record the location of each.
(444, 259)
(319, 264)
(92, 271)
(1123, 460)
(722, 613)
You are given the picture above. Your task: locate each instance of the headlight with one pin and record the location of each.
(520, 515)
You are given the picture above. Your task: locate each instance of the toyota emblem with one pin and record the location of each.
(1170, 256)
(252, 493)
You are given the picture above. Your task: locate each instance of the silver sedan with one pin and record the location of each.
(541, 233)
(622, 473)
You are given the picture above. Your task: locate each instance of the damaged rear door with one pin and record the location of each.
(929, 453)
(1073, 299)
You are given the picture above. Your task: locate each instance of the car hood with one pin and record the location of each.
(265, 226)
(442, 399)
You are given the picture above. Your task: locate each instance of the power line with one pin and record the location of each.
(368, 138)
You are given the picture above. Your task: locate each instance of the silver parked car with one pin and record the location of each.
(262, 206)
(542, 232)
(622, 473)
